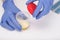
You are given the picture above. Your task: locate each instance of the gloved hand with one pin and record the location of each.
(9, 17)
(42, 8)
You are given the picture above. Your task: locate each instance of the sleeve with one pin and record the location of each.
(56, 7)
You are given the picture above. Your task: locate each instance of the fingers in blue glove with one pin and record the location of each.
(14, 21)
(46, 9)
(6, 25)
(10, 22)
(37, 10)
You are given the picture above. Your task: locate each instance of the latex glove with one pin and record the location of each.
(9, 17)
(45, 4)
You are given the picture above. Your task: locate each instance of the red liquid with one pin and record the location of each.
(31, 8)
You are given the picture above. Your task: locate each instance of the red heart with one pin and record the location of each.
(31, 7)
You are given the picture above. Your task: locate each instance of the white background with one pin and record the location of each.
(47, 28)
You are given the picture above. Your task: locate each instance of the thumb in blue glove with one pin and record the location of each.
(45, 5)
(9, 17)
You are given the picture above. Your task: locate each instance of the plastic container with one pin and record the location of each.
(22, 20)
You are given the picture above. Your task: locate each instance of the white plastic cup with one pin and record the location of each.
(22, 20)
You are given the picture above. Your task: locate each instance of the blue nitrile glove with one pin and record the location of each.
(9, 17)
(45, 5)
